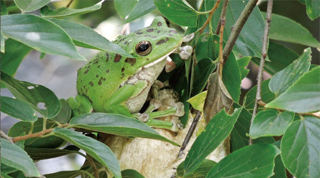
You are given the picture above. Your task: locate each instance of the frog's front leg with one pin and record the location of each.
(80, 105)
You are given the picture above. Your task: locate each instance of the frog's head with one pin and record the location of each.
(152, 44)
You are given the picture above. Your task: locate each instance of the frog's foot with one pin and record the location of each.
(80, 105)
(188, 38)
(171, 115)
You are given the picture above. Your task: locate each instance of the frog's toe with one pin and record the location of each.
(185, 52)
(188, 38)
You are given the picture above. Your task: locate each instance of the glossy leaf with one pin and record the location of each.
(23, 128)
(285, 29)
(124, 7)
(242, 63)
(64, 11)
(142, 8)
(65, 113)
(116, 124)
(86, 37)
(270, 123)
(313, 9)
(18, 109)
(200, 172)
(15, 157)
(253, 161)
(178, 12)
(15, 52)
(301, 97)
(279, 56)
(202, 71)
(216, 131)
(266, 95)
(40, 34)
(300, 148)
(286, 77)
(249, 42)
(94, 148)
(231, 78)
(30, 5)
(131, 173)
(34, 95)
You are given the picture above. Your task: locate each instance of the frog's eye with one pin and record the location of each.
(143, 48)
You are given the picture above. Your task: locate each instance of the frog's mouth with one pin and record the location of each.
(160, 59)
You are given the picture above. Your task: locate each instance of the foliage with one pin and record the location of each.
(290, 97)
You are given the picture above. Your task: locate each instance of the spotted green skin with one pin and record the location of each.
(103, 79)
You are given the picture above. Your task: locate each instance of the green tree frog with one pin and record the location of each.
(112, 83)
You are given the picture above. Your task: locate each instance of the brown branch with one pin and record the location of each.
(37, 134)
(70, 2)
(262, 61)
(96, 171)
(237, 27)
(5, 136)
(221, 29)
(211, 12)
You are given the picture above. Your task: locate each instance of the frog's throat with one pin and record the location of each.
(158, 60)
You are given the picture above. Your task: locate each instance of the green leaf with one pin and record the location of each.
(243, 63)
(94, 148)
(286, 77)
(40, 34)
(15, 157)
(65, 113)
(86, 37)
(130, 173)
(124, 7)
(116, 124)
(313, 9)
(47, 153)
(207, 46)
(200, 172)
(231, 78)
(202, 72)
(4, 10)
(285, 29)
(270, 123)
(65, 12)
(239, 137)
(5, 169)
(14, 54)
(301, 97)
(2, 49)
(142, 8)
(197, 101)
(215, 132)
(178, 12)
(64, 174)
(300, 148)
(249, 42)
(253, 161)
(266, 96)
(18, 109)
(30, 5)
(279, 56)
(34, 95)
(23, 128)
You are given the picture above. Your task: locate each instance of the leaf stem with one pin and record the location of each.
(262, 61)
(211, 12)
(237, 27)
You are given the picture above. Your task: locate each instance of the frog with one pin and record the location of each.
(112, 83)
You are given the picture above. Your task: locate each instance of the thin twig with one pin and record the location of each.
(237, 27)
(262, 61)
(223, 14)
(211, 12)
(5, 136)
(221, 29)
(189, 134)
(96, 171)
(70, 2)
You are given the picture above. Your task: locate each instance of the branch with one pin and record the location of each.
(262, 61)
(211, 12)
(221, 29)
(5, 136)
(237, 27)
